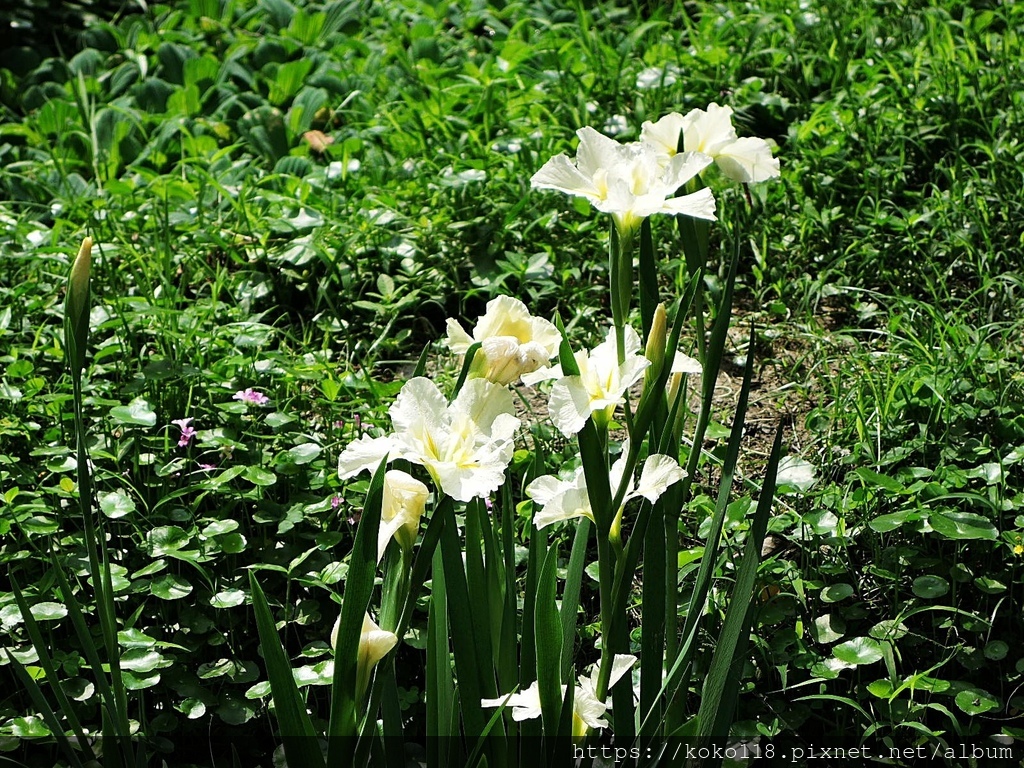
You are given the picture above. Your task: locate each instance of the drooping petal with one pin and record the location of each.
(659, 472)
(365, 453)
(405, 499)
(458, 340)
(748, 160)
(561, 175)
(698, 205)
(569, 405)
(525, 704)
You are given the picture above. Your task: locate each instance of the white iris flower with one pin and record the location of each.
(587, 710)
(600, 386)
(710, 132)
(567, 499)
(512, 341)
(466, 445)
(629, 181)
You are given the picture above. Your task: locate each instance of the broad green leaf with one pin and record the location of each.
(976, 701)
(962, 525)
(48, 611)
(836, 592)
(929, 587)
(873, 479)
(138, 413)
(860, 650)
(116, 504)
(170, 587)
(305, 453)
(166, 539)
(228, 598)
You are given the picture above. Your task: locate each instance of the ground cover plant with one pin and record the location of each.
(288, 201)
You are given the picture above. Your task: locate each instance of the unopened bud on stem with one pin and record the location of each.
(76, 308)
(655, 349)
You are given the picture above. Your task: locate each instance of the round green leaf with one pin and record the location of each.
(220, 527)
(305, 453)
(231, 543)
(141, 660)
(228, 598)
(975, 701)
(166, 539)
(139, 682)
(259, 476)
(930, 587)
(116, 504)
(78, 688)
(835, 593)
(860, 650)
(258, 691)
(48, 611)
(137, 413)
(996, 650)
(30, 727)
(135, 638)
(192, 708)
(170, 587)
(828, 628)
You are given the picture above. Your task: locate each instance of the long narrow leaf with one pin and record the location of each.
(358, 588)
(718, 701)
(301, 746)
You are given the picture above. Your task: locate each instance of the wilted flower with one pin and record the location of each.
(627, 180)
(374, 644)
(250, 395)
(187, 432)
(711, 133)
(566, 499)
(465, 446)
(405, 498)
(512, 341)
(600, 386)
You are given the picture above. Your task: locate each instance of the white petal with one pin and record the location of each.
(748, 160)
(697, 205)
(483, 401)
(621, 664)
(545, 488)
(708, 131)
(458, 340)
(364, 453)
(685, 364)
(569, 405)
(418, 410)
(659, 472)
(596, 152)
(542, 374)
(663, 135)
(560, 174)
(685, 166)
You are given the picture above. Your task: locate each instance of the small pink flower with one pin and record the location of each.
(250, 395)
(335, 502)
(187, 432)
(207, 467)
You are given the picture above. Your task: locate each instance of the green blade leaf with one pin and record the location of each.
(362, 569)
(297, 734)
